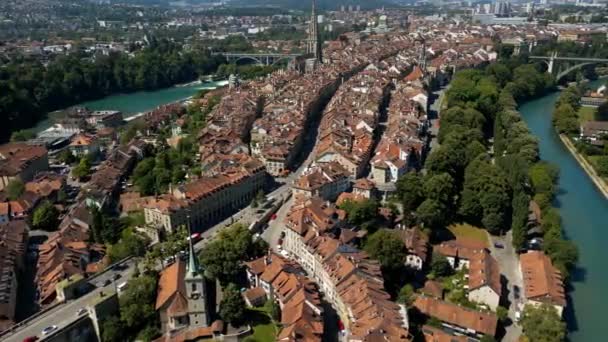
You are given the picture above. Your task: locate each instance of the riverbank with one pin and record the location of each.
(134, 104)
(584, 163)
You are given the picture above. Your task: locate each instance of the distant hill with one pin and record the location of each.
(321, 4)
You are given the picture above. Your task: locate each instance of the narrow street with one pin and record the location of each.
(512, 280)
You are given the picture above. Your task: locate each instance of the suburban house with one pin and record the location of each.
(484, 280)
(593, 131)
(466, 321)
(543, 282)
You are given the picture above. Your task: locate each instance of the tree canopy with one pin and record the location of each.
(222, 258)
(46, 217)
(232, 306)
(543, 324)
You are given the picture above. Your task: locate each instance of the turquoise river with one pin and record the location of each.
(584, 212)
(134, 103)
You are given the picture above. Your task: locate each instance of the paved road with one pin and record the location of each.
(65, 314)
(508, 261)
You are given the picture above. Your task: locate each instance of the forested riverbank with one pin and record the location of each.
(487, 169)
(29, 90)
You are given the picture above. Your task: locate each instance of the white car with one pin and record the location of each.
(49, 330)
(81, 311)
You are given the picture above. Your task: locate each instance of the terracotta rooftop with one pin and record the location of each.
(542, 281)
(481, 322)
(484, 271)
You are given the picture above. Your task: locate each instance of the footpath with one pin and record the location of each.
(599, 182)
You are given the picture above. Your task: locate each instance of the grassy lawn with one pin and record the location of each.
(264, 328)
(586, 114)
(464, 230)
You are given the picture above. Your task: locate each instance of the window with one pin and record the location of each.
(193, 287)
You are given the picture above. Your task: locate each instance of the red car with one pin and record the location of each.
(195, 237)
(31, 339)
(273, 217)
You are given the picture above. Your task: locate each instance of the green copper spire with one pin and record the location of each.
(193, 267)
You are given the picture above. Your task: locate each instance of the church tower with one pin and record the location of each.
(314, 45)
(194, 280)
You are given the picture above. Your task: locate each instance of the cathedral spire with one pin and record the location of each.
(314, 46)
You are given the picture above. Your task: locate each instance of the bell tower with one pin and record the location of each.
(194, 280)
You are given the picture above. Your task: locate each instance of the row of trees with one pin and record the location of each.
(28, 89)
(565, 114)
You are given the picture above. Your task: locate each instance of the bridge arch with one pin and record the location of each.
(570, 69)
(251, 58)
(285, 58)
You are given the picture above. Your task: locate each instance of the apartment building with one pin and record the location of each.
(13, 245)
(348, 278)
(465, 321)
(297, 295)
(484, 280)
(229, 182)
(325, 180)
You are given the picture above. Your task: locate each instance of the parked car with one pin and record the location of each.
(516, 291)
(273, 217)
(499, 245)
(49, 330)
(31, 339)
(81, 312)
(195, 237)
(104, 283)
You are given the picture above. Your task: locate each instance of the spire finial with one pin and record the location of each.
(192, 262)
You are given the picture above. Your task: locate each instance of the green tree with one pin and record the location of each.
(14, 189)
(232, 306)
(431, 213)
(544, 178)
(387, 248)
(138, 300)
(502, 313)
(565, 119)
(67, 157)
(112, 329)
(543, 324)
(361, 213)
(129, 244)
(440, 266)
(83, 169)
(410, 191)
(149, 333)
(23, 135)
(407, 295)
(602, 165)
(222, 257)
(274, 310)
(46, 217)
(440, 187)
